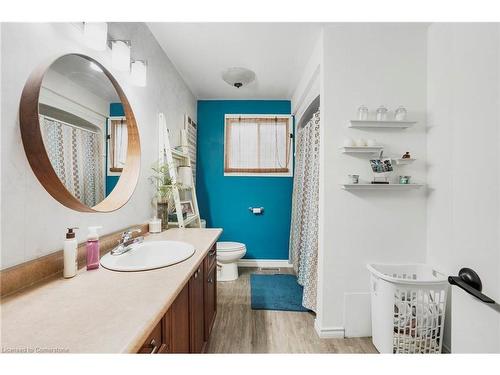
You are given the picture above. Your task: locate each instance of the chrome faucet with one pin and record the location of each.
(126, 242)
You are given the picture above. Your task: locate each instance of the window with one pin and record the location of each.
(118, 142)
(258, 145)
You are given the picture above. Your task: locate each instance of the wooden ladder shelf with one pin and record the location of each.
(175, 158)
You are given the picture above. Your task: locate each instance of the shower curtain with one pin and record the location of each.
(304, 225)
(76, 156)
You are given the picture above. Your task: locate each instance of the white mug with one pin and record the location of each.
(348, 142)
(353, 178)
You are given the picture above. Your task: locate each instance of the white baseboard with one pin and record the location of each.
(329, 332)
(274, 263)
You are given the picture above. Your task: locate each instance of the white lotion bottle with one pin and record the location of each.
(70, 254)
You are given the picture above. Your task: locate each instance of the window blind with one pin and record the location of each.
(257, 145)
(118, 145)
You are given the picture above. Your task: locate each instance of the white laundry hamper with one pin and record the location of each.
(408, 304)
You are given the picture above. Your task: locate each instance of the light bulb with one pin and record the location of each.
(138, 73)
(96, 35)
(120, 55)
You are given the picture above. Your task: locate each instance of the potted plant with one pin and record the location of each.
(164, 185)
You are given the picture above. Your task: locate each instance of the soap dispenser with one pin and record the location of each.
(93, 251)
(70, 254)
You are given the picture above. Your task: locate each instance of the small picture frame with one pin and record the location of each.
(381, 165)
(187, 208)
(381, 169)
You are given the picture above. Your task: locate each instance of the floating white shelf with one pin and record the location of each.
(381, 124)
(362, 149)
(403, 161)
(381, 186)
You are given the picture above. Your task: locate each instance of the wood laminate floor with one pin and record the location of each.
(239, 329)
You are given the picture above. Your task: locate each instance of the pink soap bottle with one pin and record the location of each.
(93, 251)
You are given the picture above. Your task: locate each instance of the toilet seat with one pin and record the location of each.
(229, 246)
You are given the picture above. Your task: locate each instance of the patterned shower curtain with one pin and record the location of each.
(76, 157)
(304, 225)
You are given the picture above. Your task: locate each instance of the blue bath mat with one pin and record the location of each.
(276, 292)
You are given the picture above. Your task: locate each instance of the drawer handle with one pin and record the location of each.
(211, 280)
(154, 346)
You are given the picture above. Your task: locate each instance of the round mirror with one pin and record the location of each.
(80, 134)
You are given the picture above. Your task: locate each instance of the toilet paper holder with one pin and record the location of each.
(256, 210)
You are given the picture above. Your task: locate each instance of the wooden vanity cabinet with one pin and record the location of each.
(210, 295)
(187, 325)
(179, 323)
(211, 259)
(167, 332)
(154, 342)
(197, 311)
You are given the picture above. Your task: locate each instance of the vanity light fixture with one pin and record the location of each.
(138, 72)
(96, 35)
(120, 54)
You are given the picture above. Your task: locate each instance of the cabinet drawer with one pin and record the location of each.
(211, 258)
(153, 343)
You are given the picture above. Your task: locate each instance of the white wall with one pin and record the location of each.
(309, 85)
(463, 207)
(59, 92)
(369, 64)
(33, 223)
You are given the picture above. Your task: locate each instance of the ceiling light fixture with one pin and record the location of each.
(138, 72)
(120, 54)
(96, 35)
(238, 77)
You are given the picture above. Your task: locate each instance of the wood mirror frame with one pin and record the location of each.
(38, 158)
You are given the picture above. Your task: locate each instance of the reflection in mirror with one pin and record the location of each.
(84, 128)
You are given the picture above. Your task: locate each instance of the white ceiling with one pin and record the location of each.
(77, 69)
(276, 52)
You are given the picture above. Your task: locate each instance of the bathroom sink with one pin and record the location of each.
(149, 255)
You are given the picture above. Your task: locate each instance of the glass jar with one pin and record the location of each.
(363, 113)
(400, 114)
(404, 180)
(162, 212)
(381, 113)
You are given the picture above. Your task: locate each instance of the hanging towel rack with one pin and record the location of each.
(470, 281)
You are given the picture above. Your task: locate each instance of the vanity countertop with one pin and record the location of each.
(99, 311)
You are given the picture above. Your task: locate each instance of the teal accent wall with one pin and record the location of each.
(115, 109)
(224, 201)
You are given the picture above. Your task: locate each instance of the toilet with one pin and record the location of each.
(228, 254)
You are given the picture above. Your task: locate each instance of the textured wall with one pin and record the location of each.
(33, 223)
(224, 200)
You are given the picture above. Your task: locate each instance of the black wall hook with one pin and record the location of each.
(470, 281)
